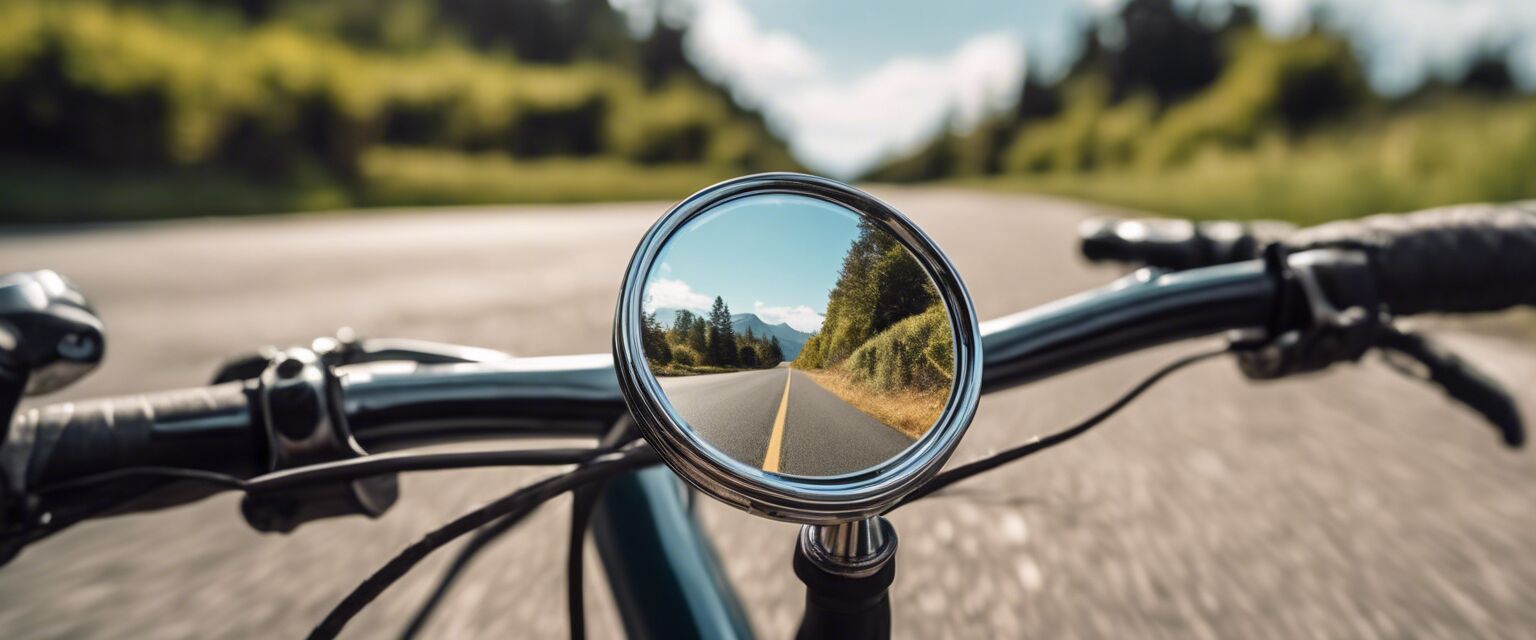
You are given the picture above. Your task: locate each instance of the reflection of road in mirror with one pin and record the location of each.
(797, 337)
(781, 420)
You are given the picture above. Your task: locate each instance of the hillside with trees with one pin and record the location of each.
(886, 345)
(694, 344)
(1170, 111)
(154, 108)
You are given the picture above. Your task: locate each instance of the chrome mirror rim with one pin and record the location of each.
(800, 499)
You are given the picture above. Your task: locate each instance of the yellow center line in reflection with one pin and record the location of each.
(776, 440)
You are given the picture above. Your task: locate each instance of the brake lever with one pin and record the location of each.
(1460, 379)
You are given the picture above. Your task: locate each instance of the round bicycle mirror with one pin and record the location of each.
(797, 348)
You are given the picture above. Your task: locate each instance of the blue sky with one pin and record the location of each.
(849, 82)
(777, 256)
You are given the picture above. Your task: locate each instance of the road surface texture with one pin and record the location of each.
(818, 433)
(1351, 504)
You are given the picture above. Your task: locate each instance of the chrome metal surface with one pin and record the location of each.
(396, 404)
(50, 336)
(802, 499)
(854, 549)
(1141, 310)
(297, 397)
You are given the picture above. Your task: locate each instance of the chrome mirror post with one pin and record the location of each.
(854, 549)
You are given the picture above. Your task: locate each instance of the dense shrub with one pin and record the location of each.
(916, 353)
(124, 86)
(1271, 85)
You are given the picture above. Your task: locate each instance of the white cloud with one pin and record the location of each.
(844, 127)
(801, 318)
(666, 293)
(759, 63)
(1407, 39)
(666, 268)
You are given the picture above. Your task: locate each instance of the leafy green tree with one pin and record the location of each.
(747, 356)
(775, 351)
(880, 284)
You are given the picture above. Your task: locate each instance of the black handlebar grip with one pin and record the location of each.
(1176, 244)
(205, 428)
(1456, 259)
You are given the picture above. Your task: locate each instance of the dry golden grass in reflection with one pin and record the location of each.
(910, 411)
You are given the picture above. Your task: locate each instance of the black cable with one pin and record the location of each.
(520, 501)
(1042, 443)
(177, 473)
(621, 433)
(350, 469)
(585, 499)
(467, 553)
(380, 464)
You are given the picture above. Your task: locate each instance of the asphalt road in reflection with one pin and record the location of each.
(818, 434)
(1352, 504)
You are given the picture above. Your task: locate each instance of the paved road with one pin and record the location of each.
(782, 420)
(1347, 505)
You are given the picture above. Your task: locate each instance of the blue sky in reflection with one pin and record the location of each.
(777, 256)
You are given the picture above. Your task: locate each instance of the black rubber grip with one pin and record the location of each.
(206, 428)
(1177, 244)
(1456, 259)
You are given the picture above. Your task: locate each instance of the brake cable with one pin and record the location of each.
(621, 433)
(518, 503)
(341, 470)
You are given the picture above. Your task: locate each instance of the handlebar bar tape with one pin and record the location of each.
(205, 428)
(1456, 259)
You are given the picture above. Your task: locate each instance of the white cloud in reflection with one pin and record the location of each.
(801, 318)
(666, 293)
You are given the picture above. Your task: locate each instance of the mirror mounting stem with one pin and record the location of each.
(847, 569)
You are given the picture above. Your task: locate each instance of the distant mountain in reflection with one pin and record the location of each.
(791, 341)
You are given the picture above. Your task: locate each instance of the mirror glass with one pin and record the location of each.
(795, 335)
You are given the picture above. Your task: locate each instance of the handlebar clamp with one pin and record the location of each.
(1311, 332)
(300, 406)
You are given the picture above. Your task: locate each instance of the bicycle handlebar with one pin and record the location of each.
(409, 404)
(395, 404)
(209, 429)
(1465, 258)
(1138, 311)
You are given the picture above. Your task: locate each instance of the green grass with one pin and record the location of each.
(401, 177)
(672, 369)
(1454, 153)
(39, 192)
